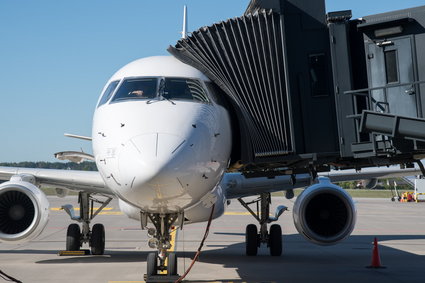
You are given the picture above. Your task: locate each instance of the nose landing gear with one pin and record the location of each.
(163, 260)
(253, 238)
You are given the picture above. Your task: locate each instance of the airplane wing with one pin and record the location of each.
(88, 181)
(236, 185)
(370, 173)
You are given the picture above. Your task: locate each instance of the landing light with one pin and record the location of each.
(153, 243)
(151, 232)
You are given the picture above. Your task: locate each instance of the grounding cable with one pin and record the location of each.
(200, 247)
(8, 278)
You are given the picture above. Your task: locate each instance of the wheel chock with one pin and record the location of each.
(74, 253)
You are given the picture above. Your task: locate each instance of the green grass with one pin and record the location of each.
(370, 193)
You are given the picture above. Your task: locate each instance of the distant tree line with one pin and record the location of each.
(85, 166)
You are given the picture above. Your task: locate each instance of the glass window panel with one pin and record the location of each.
(139, 88)
(108, 92)
(391, 66)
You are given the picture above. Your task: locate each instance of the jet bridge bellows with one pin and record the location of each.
(244, 56)
(279, 111)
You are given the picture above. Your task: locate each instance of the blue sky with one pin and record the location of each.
(55, 57)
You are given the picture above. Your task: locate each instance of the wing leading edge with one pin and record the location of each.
(88, 181)
(236, 185)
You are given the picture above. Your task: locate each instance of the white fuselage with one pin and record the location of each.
(161, 155)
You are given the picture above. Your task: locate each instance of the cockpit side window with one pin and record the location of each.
(185, 89)
(137, 88)
(108, 92)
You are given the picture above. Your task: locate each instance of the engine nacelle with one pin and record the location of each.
(324, 213)
(24, 211)
(370, 183)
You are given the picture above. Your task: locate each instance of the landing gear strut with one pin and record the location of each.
(253, 238)
(162, 260)
(95, 237)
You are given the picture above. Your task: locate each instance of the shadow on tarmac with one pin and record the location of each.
(306, 262)
(301, 261)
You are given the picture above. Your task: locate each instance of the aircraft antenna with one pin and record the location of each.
(184, 31)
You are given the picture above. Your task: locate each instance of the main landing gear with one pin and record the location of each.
(273, 238)
(163, 259)
(95, 237)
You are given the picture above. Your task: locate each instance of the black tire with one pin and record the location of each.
(172, 264)
(97, 239)
(275, 240)
(73, 238)
(151, 265)
(251, 240)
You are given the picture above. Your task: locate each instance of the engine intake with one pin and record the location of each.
(324, 213)
(24, 211)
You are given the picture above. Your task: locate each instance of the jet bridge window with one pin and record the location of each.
(108, 92)
(391, 66)
(318, 80)
(136, 88)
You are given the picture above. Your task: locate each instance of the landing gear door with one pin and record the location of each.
(391, 67)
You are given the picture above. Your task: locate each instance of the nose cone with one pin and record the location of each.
(152, 166)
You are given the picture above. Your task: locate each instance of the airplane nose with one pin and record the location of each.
(152, 160)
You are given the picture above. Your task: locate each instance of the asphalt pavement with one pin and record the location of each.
(399, 228)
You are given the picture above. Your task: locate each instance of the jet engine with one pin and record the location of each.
(24, 211)
(370, 183)
(324, 213)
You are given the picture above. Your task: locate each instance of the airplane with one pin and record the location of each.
(162, 140)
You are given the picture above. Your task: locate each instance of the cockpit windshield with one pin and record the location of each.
(137, 89)
(161, 88)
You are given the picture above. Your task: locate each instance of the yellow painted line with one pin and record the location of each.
(173, 235)
(111, 213)
(105, 211)
(77, 208)
(237, 213)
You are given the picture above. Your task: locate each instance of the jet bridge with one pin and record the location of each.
(308, 90)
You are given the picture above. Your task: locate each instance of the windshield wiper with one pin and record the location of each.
(161, 92)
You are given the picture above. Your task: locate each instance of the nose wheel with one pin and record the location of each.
(272, 238)
(172, 264)
(151, 265)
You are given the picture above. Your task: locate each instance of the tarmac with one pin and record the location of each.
(399, 227)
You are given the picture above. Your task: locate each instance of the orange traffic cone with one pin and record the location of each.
(376, 259)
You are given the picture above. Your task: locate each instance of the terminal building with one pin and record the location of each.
(309, 90)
